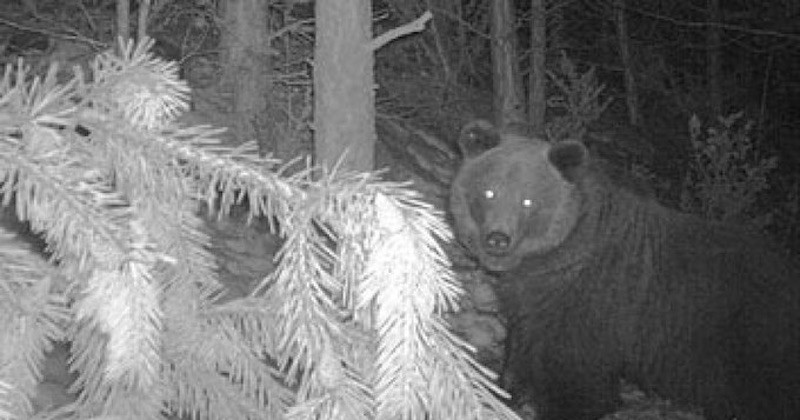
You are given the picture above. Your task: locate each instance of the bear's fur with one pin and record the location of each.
(600, 284)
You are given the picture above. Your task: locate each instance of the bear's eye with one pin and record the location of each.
(488, 194)
(527, 203)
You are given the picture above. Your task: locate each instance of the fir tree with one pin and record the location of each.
(350, 325)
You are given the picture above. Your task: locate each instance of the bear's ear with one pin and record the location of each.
(568, 157)
(477, 137)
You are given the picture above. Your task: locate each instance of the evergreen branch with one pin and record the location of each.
(144, 90)
(125, 305)
(184, 238)
(249, 329)
(40, 101)
(349, 399)
(297, 280)
(335, 389)
(399, 287)
(204, 394)
(48, 181)
(228, 175)
(27, 326)
(409, 285)
(150, 328)
(52, 184)
(225, 363)
(148, 175)
(83, 211)
(253, 319)
(454, 372)
(97, 394)
(314, 302)
(314, 340)
(7, 402)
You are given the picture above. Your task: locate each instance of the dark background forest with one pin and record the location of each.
(678, 60)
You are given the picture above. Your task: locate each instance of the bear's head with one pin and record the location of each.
(514, 195)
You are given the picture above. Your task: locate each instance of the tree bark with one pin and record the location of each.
(537, 99)
(144, 14)
(344, 94)
(623, 41)
(246, 41)
(507, 82)
(124, 20)
(714, 40)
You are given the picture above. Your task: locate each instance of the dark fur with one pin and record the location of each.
(703, 314)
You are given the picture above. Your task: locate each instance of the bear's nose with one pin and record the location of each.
(497, 241)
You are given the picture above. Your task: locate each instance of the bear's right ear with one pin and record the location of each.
(568, 157)
(477, 137)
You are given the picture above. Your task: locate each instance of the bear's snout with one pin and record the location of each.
(497, 242)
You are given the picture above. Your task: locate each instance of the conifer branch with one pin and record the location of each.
(350, 325)
(32, 318)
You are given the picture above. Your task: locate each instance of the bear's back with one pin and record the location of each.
(703, 313)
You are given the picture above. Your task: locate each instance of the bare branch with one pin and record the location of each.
(416, 26)
(74, 36)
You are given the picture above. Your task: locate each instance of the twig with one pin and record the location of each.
(437, 39)
(88, 16)
(290, 28)
(72, 37)
(763, 111)
(463, 23)
(729, 27)
(416, 26)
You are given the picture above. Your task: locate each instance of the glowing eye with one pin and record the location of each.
(527, 203)
(489, 194)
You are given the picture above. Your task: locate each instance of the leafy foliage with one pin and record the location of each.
(727, 172)
(578, 102)
(350, 325)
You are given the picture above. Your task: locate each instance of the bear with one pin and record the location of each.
(600, 284)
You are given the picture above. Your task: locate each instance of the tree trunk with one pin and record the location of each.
(507, 83)
(344, 85)
(623, 40)
(713, 56)
(124, 19)
(246, 41)
(144, 14)
(537, 99)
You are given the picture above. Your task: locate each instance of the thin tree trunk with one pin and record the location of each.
(248, 67)
(507, 83)
(141, 27)
(623, 40)
(344, 95)
(713, 56)
(537, 99)
(124, 19)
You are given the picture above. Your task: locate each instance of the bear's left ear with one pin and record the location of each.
(477, 137)
(569, 157)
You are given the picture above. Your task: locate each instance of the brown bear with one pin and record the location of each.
(601, 284)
